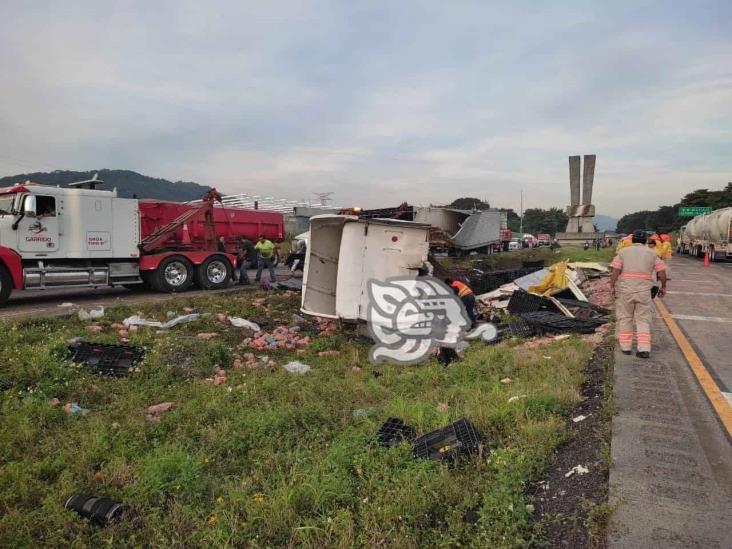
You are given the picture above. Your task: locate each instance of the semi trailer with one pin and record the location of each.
(81, 236)
(708, 233)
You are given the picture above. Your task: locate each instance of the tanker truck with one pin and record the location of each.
(84, 237)
(709, 233)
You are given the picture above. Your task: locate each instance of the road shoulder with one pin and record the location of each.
(671, 471)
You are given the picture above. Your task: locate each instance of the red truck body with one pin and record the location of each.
(231, 223)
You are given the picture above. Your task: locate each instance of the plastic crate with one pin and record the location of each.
(459, 438)
(557, 322)
(393, 432)
(106, 359)
(525, 302)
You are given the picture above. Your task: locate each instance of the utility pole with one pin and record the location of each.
(521, 230)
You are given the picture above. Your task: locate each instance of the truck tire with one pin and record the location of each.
(214, 273)
(6, 285)
(174, 274)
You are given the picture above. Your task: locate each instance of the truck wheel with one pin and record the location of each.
(214, 273)
(174, 274)
(6, 285)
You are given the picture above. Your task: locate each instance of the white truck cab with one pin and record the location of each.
(59, 223)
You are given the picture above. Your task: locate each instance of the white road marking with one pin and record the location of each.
(699, 294)
(728, 396)
(704, 318)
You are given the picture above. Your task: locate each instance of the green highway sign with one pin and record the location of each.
(693, 211)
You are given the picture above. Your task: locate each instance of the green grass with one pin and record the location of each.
(512, 260)
(270, 458)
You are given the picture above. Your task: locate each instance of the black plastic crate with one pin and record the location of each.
(393, 432)
(557, 322)
(524, 302)
(459, 438)
(519, 328)
(106, 359)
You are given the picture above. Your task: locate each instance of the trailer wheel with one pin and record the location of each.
(214, 273)
(6, 285)
(174, 274)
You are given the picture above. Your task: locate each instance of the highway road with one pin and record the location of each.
(671, 471)
(48, 303)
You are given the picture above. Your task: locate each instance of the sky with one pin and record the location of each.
(377, 102)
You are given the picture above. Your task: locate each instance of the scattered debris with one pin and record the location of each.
(579, 469)
(290, 284)
(65, 304)
(92, 314)
(95, 329)
(137, 320)
(447, 355)
(442, 407)
(156, 409)
(243, 323)
(297, 367)
(99, 510)
(360, 413)
(54, 402)
(506, 380)
(73, 408)
(106, 359)
(329, 353)
(449, 442)
(393, 432)
(515, 398)
(579, 418)
(206, 335)
(557, 322)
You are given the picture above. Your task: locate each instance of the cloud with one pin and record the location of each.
(380, 103)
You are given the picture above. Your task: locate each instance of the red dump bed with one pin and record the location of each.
(232, 223)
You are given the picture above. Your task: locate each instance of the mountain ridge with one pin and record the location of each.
(127, 182)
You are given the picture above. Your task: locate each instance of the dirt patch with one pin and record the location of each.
(570, 511)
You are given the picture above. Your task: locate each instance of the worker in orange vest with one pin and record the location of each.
(466, 295)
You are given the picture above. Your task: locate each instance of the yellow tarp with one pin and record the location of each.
(554, 282)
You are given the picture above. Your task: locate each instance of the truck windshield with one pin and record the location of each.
(6, 205)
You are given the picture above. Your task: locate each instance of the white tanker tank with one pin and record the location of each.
(711, 233)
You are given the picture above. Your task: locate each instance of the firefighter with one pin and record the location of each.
(466, 295)
(631, 282)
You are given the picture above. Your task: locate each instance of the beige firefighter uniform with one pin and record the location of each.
(633, 303)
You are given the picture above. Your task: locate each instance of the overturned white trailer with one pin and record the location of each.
(345, 252)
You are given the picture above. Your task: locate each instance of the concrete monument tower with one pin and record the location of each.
(581, 211)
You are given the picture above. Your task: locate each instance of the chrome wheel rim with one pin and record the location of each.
(216, 272)
(176, 274)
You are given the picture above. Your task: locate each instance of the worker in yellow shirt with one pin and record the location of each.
(654, 243)
(625, 242)
(266, 251)
(666, 249)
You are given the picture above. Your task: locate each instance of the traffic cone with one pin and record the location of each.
(186, 234)
(706, 259)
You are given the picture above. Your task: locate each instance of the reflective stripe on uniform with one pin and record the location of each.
(462, 289)
(637, 276)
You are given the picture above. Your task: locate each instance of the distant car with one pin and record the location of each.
(514, 245)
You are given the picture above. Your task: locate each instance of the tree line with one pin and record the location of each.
(665, 219)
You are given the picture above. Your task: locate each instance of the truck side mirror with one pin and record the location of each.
(29, 206)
